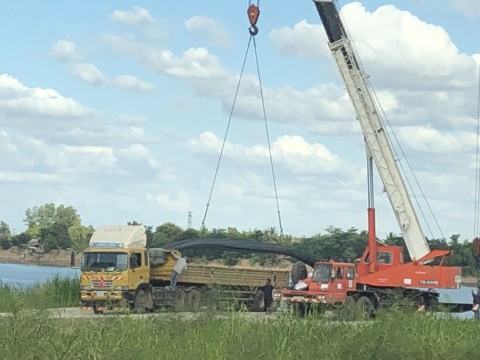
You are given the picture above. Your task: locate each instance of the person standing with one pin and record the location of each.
(180, 265)
(267, 294)
(476, 303)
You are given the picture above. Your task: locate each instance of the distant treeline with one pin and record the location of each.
(59, 227)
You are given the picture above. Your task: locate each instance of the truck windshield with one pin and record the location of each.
(321, 273)
(104, 261)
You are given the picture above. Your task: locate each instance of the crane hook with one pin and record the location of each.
(253, 13)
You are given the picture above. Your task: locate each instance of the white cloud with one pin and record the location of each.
(470, 8)
(303, 39)
(425, 139)
(292, 152)
(172, 202)
(139, 16)
(88, 73)
(65, 51)
(132, 119)
(101, 156)
(209, 28)
(132, 83)
(20, 101)
(408, 51)
(195, 63)
(332, 111)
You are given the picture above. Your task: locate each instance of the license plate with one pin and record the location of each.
(99, 293)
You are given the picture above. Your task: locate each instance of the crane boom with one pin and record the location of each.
(371, 123)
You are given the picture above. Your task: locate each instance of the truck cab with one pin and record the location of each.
(114, 265)
(329, 283)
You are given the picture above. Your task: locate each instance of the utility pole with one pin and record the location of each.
(189, 222)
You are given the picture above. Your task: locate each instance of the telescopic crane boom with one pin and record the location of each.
(371, 123)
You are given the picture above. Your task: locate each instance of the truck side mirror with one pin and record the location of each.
(72, 259)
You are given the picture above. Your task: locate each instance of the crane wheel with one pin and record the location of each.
(348, 309)
(364, 308)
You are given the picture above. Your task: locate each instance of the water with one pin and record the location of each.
(26, 275)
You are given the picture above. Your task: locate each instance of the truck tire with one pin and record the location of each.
(178, 300)
(348, 309)
(142, 302)
(194, 300)
(298, 272)
(96, 311)
(258, 301)
(364, 308)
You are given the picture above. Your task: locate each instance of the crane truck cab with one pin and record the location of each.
(329, 283)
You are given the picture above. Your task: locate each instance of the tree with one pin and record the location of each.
(55, 237)
(44, 216)
(80, 236)
(56, 227)
(166, 233)
(4, 231)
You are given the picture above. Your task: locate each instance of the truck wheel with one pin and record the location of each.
(179, 300)
(348, 309)
(194, 298)
(258, 301)
(299, 272)
(301, 309)
(364, 308)
(96, 311)
(140, 302)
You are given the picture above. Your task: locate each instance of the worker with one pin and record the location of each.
(476, 303)
(267, 294)
(180, 265)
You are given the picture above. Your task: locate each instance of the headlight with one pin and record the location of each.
(121, 288)
(86, 287)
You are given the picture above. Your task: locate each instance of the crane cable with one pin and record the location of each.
(253, 13)
(268, 139)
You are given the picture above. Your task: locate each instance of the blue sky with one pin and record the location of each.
(119, 109)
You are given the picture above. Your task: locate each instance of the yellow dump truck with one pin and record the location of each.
(117, 270)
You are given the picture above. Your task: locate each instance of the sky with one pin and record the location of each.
(120, 109)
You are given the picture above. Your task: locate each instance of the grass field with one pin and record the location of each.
(392, 335)
(57, 292)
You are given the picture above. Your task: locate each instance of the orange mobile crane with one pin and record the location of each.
(381, 271)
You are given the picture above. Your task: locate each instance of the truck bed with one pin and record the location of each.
(211, 275)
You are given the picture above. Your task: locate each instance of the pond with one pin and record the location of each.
(25, 275)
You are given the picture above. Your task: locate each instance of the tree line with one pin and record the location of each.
(60, 227)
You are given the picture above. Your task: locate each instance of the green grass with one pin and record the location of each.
(394, 334)
(56, 292)
(391, 336)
